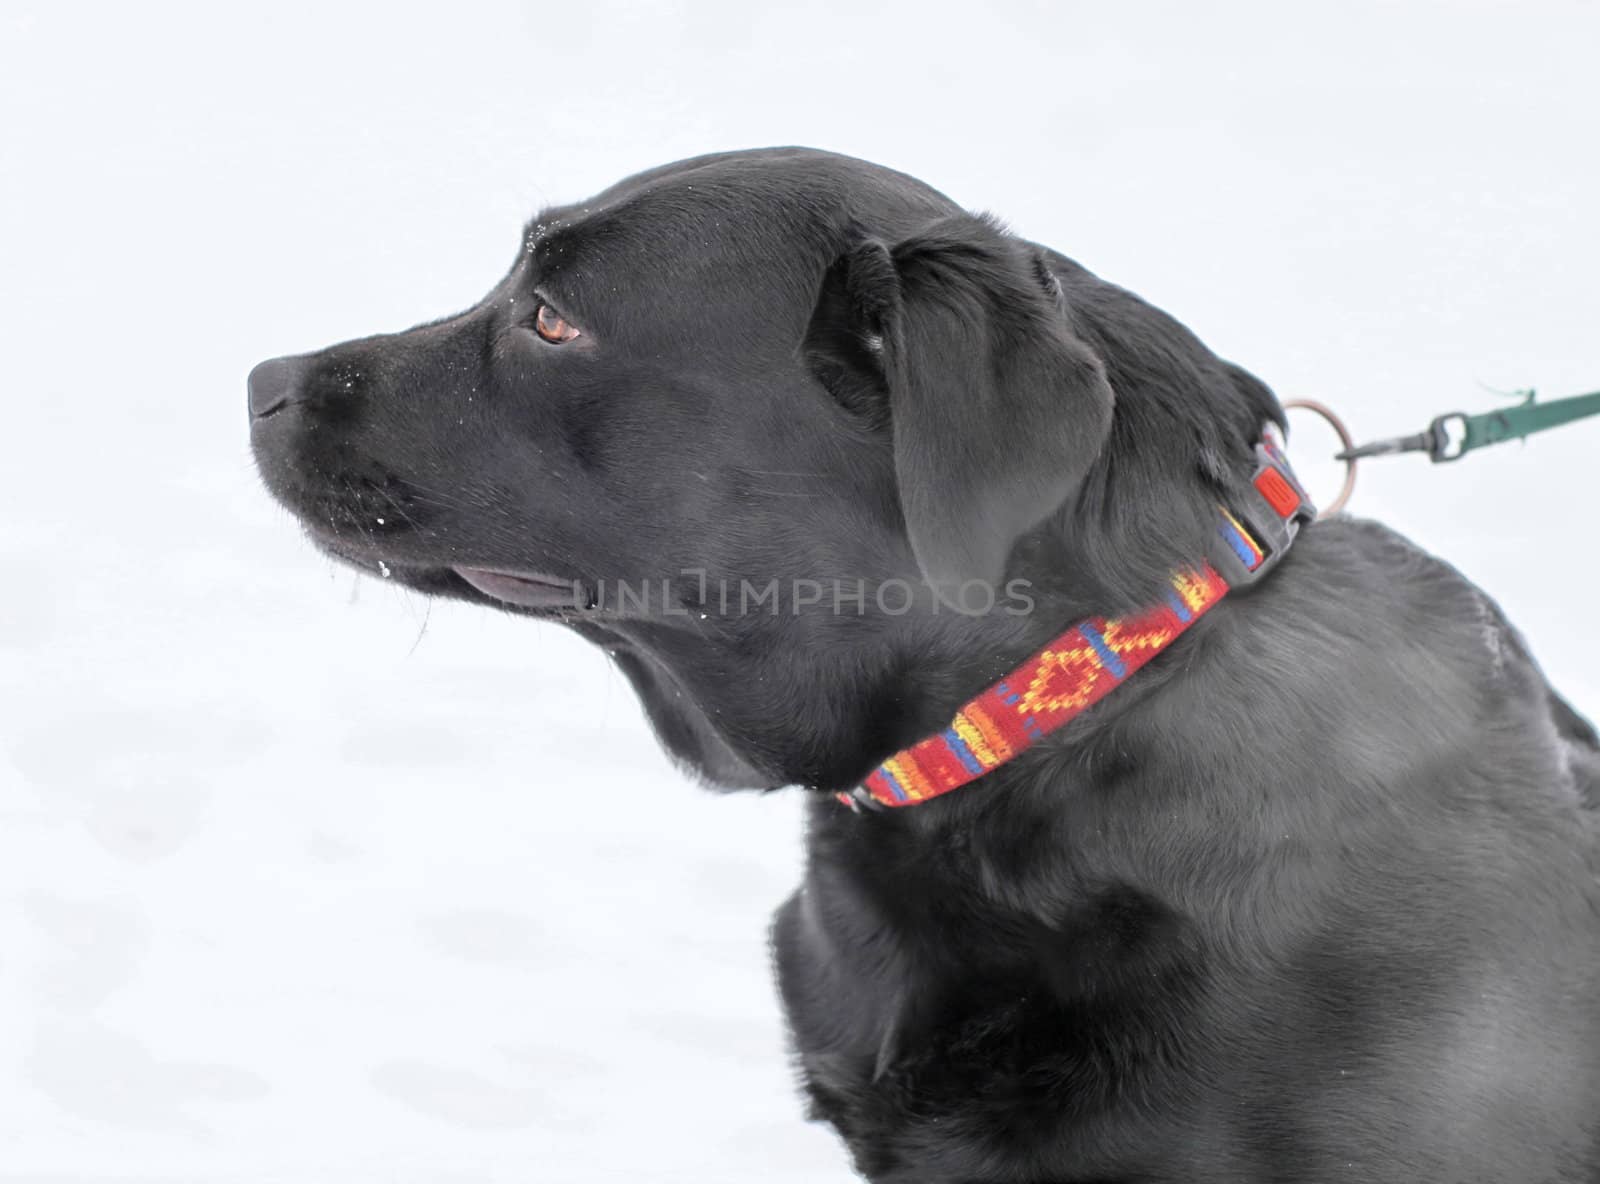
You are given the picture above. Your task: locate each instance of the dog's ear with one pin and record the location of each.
(997, 408)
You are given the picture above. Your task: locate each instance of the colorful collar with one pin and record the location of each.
(1092, 658)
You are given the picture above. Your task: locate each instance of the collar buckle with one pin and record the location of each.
(1256, 530)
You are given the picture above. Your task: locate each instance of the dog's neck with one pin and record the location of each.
(991, 896)
(1095, 656)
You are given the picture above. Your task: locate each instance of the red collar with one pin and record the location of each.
(1092, 658)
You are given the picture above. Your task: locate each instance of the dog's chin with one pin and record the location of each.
(681, 727)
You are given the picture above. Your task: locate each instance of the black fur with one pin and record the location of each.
(1313, 897)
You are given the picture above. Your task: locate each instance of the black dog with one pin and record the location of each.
(1312, 897)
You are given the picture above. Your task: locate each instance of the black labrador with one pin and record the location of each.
(1311, 897)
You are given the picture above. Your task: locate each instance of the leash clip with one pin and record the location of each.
(1444, 439)
(1269, 515)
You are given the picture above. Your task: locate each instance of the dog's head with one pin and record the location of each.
(787, 434)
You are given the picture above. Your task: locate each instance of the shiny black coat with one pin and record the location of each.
(1311, 898)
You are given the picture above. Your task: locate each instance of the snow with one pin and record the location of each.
(303, 879)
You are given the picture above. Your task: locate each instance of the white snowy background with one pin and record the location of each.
(292, 889)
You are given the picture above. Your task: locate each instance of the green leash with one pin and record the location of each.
(1452, 436)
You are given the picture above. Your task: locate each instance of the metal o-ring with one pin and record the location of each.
(1337, 424)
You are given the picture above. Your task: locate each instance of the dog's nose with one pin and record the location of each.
(273, 385)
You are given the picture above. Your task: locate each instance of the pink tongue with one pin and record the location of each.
(527, 591)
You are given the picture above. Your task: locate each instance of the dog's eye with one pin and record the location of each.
(552, 326)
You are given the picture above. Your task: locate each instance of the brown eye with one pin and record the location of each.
(552, 326)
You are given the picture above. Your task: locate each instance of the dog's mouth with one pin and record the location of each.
(526, 590)
(537, 594)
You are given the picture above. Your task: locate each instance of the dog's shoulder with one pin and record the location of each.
(1352, 784)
